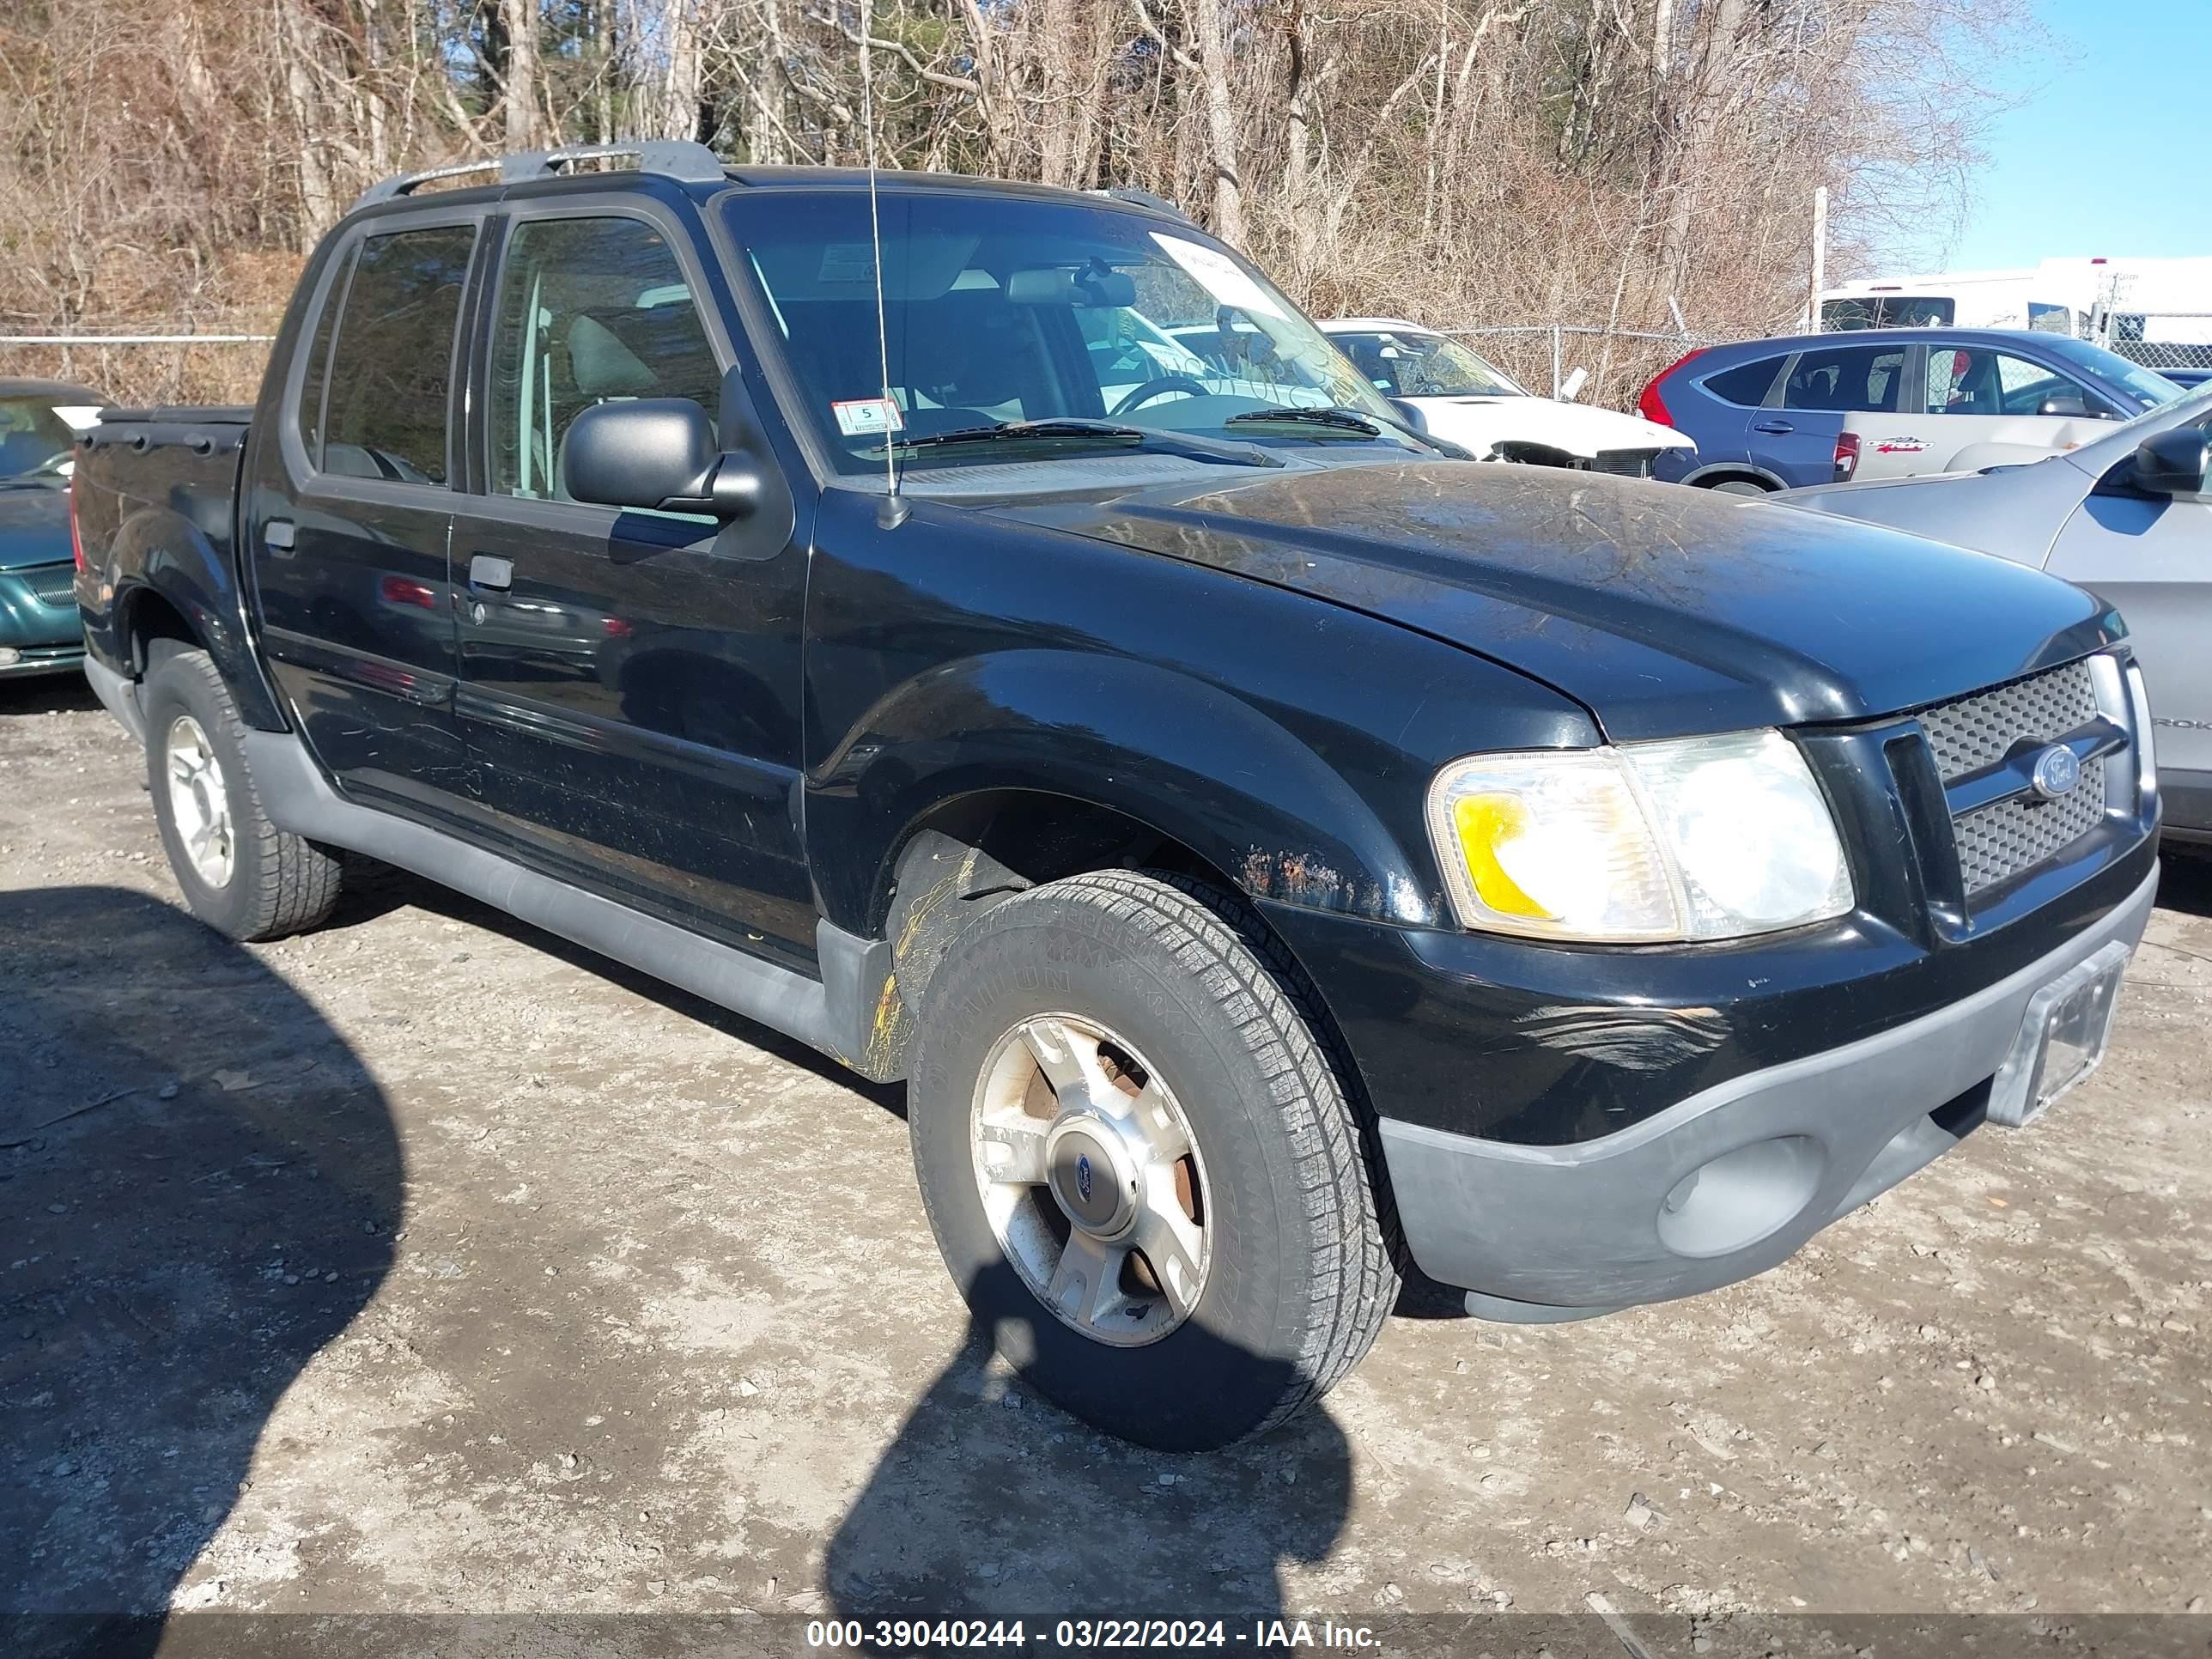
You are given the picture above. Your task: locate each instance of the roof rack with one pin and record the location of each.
(670, 158)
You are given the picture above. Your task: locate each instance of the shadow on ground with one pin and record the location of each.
(46, 693)
(991, 1503)
(199, 1184)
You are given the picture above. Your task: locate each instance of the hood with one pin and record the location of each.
(2014, 512)
(33, 528)
(1665, 610)
(1478, 422)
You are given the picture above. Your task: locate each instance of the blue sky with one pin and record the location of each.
(2077, 168)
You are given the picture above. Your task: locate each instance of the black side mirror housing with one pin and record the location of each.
(2172, 463)
(2065, 403)
(658, 452)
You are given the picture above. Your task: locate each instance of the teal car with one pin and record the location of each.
(39, 631)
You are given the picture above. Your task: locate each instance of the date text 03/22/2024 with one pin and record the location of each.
(937, 1634)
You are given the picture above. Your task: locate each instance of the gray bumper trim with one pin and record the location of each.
(118, 694)
(1580, 1226)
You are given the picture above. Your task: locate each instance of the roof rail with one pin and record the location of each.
(1144, 199)
(671, 158)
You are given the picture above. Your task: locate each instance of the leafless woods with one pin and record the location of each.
(166, 162)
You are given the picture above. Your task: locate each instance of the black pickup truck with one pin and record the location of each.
(1271, 850)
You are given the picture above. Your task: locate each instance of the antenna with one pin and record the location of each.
(893, 511)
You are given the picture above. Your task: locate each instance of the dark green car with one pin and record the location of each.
(40, 632)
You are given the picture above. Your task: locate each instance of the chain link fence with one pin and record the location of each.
(2170, 339)
(1615, 364)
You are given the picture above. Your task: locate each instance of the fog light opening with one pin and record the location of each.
(1740, 1197)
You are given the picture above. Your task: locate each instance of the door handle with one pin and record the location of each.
(1777, 428)
(279, 536)
(485, 571)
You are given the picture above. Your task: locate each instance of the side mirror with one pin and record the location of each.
(2069, 404)
(1410, 413)
(2173, 463)
(656, 453)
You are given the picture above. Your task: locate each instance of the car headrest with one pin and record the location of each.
(602, 366)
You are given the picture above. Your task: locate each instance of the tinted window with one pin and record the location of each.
(1888, 311)
(1846, 378)
(312, 383)
(393, 359)
(590, 311)
(1746, 384)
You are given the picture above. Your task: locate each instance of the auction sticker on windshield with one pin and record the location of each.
(863, 417)
(1219, 275)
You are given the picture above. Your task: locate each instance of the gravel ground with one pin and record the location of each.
(428, 1264)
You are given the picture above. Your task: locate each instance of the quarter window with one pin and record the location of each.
(1745, 386)
(392, 364)
(1852, 378)
(591, 311)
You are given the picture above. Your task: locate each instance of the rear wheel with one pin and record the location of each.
(1142, 1165)
(1739, 487)
(239, 873)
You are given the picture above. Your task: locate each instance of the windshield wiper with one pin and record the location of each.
(1349, 420)
(1167, 443)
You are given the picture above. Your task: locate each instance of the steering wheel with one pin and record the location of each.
(1159, 388)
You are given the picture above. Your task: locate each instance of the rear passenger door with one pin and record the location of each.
(630, 680)
(1830, 390)
(349, 509)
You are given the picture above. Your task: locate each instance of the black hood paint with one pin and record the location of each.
(1665, 610)
(33, 527)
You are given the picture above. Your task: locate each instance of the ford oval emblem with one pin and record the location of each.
(2056, 772)
(1082, 1177)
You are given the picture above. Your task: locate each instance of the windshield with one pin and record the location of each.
(36, 438)
(1400, 363)
(1888, 311)
(2146, 386)
(999, 309)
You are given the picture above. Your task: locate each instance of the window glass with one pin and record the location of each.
(590, 311)
(1888, 311)
(1746, 384)
(319, 361)
(1403, 364)
(2024, 387)
(999, 309)
(391, 368)
(1849, 378)
(35, 440)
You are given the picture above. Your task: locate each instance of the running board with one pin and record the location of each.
(836, 1014)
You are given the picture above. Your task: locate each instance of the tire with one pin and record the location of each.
(1295, 1238)
(276, 882)
(1740, 487)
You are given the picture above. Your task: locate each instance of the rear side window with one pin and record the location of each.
(591, 311)
(1746, 384)
(314, 382)
(392, 363)
(1849, 378)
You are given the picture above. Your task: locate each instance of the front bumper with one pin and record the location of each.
(1549, 1231)
(41, 631)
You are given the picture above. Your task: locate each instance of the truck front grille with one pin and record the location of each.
(2000, 840)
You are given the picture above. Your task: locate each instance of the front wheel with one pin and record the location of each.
(1142, 1165)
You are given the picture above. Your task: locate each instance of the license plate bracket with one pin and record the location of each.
(2062, 1037)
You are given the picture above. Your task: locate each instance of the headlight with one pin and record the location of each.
(1700, 838)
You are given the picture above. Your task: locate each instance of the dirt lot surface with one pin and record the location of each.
(426, 1263)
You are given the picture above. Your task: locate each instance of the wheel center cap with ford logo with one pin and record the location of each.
(2057, 769)
(1090, 1175)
